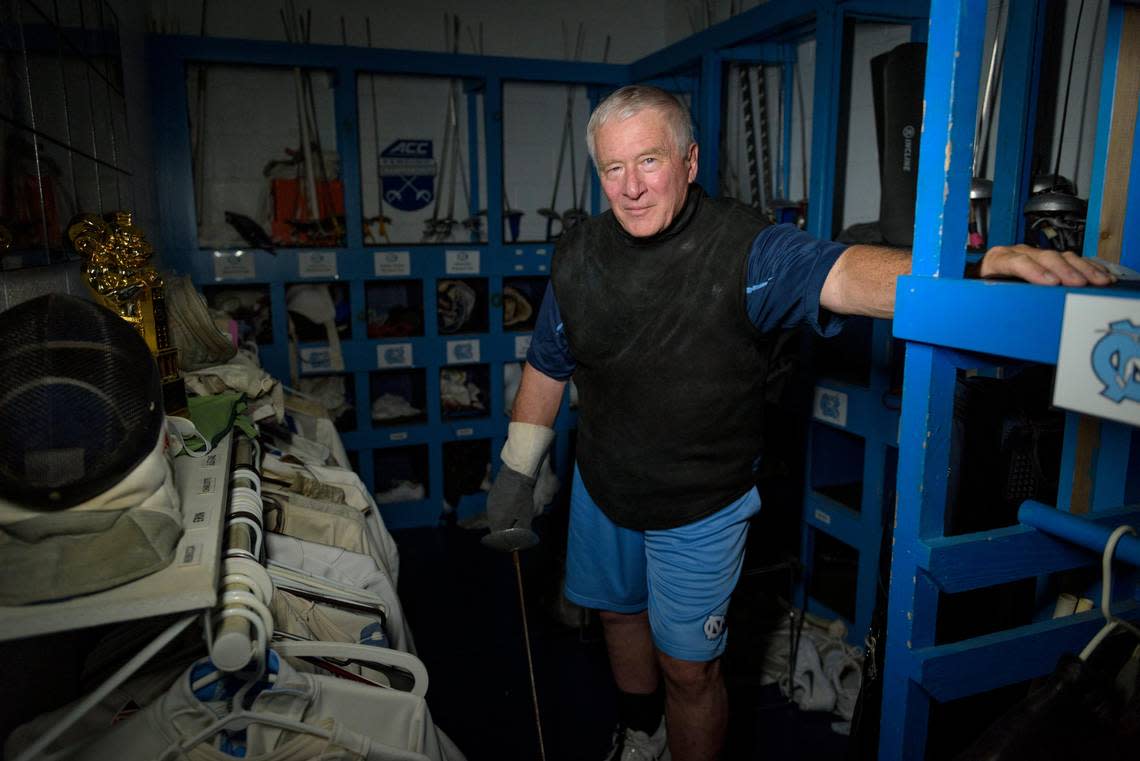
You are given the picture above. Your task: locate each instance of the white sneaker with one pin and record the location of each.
(632, 745)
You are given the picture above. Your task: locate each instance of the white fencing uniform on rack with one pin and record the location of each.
(355, 495)
(349, 568)
(360, 718)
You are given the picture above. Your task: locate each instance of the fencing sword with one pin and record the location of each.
(306, 145)
(381, 220)
(513, 540)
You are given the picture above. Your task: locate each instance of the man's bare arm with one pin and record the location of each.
(862, 280)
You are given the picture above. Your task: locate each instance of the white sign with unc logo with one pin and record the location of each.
(459, 352)
(1098, 361)
(830, 406)
(315, 359)
(317, 264)
(392, 263)
(461, 262)
(522, 346)
(394, 355)
(233, 265)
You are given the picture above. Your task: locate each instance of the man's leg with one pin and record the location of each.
(691, 573)
(696, 708)
(633, 658)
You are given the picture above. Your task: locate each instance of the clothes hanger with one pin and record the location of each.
(1112, 622)
(382, 657)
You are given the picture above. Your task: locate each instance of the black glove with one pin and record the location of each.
(510, 509)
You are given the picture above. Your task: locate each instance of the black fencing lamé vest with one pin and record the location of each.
(670, 371)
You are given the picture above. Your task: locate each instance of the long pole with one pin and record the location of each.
(529, 656)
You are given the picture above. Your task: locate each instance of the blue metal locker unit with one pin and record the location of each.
(950, 325)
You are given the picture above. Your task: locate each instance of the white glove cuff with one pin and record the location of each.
(526, 446)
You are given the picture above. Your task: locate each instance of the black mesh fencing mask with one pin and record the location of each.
(80, 401)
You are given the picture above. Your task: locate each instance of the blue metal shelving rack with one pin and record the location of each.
(950, 323)
(483, 77)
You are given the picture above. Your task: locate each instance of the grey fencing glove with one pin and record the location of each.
(510, 504)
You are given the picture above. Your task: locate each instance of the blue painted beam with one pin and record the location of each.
(1003, 318)
(776, 19)
(386, 61)
(765, 54)
(1025, 26)
(973, 561)
(949, 672)
(825, 120)
(953, 65)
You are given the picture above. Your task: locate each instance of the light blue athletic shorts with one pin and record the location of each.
(684, 575)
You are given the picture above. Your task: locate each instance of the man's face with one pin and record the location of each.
(643, 174)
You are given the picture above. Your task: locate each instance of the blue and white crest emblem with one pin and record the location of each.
(1116, 361)
(407, 174)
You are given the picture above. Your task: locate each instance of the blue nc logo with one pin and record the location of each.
(407, 174)
(374, 635)
(829, 405)
(1116, 361)
(395, 355)
(463, 351)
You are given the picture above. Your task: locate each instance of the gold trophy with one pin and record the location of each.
(116, 258)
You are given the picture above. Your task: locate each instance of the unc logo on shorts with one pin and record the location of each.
(714, 627)
(1116, 361)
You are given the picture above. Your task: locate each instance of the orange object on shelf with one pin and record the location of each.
(293, 222)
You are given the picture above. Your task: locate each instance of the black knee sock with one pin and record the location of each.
(641, 713)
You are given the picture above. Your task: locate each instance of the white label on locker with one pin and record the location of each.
(822, 517)
(464, 431)
(461, 262)
(317, 264)
(520, 267)
(830, 406)
(392, 263)
(398, 436)
(519, 252)
(315, 359)
(1098, 361)
(394, 355)
(233, 265)
(540, 251)
(522, 345)
(542, 268)
(459, 352)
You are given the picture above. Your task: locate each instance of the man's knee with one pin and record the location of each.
(692, 677)
(611, 618)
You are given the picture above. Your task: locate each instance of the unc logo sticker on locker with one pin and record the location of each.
(394, 355)
(1098, 362)
(461, 262)
(392, 263)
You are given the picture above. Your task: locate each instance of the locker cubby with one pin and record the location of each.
(398, 397)
(416, 159)
(337, 392)
(394, 308)
(461, 305)
(465, 391)
(845, 357)
(310, 308)
(834, 574)
(466, 468)
(837, 465)
(522, 296)
(237, 165)
(247, 305)
(401, 473)
(1006, 441)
